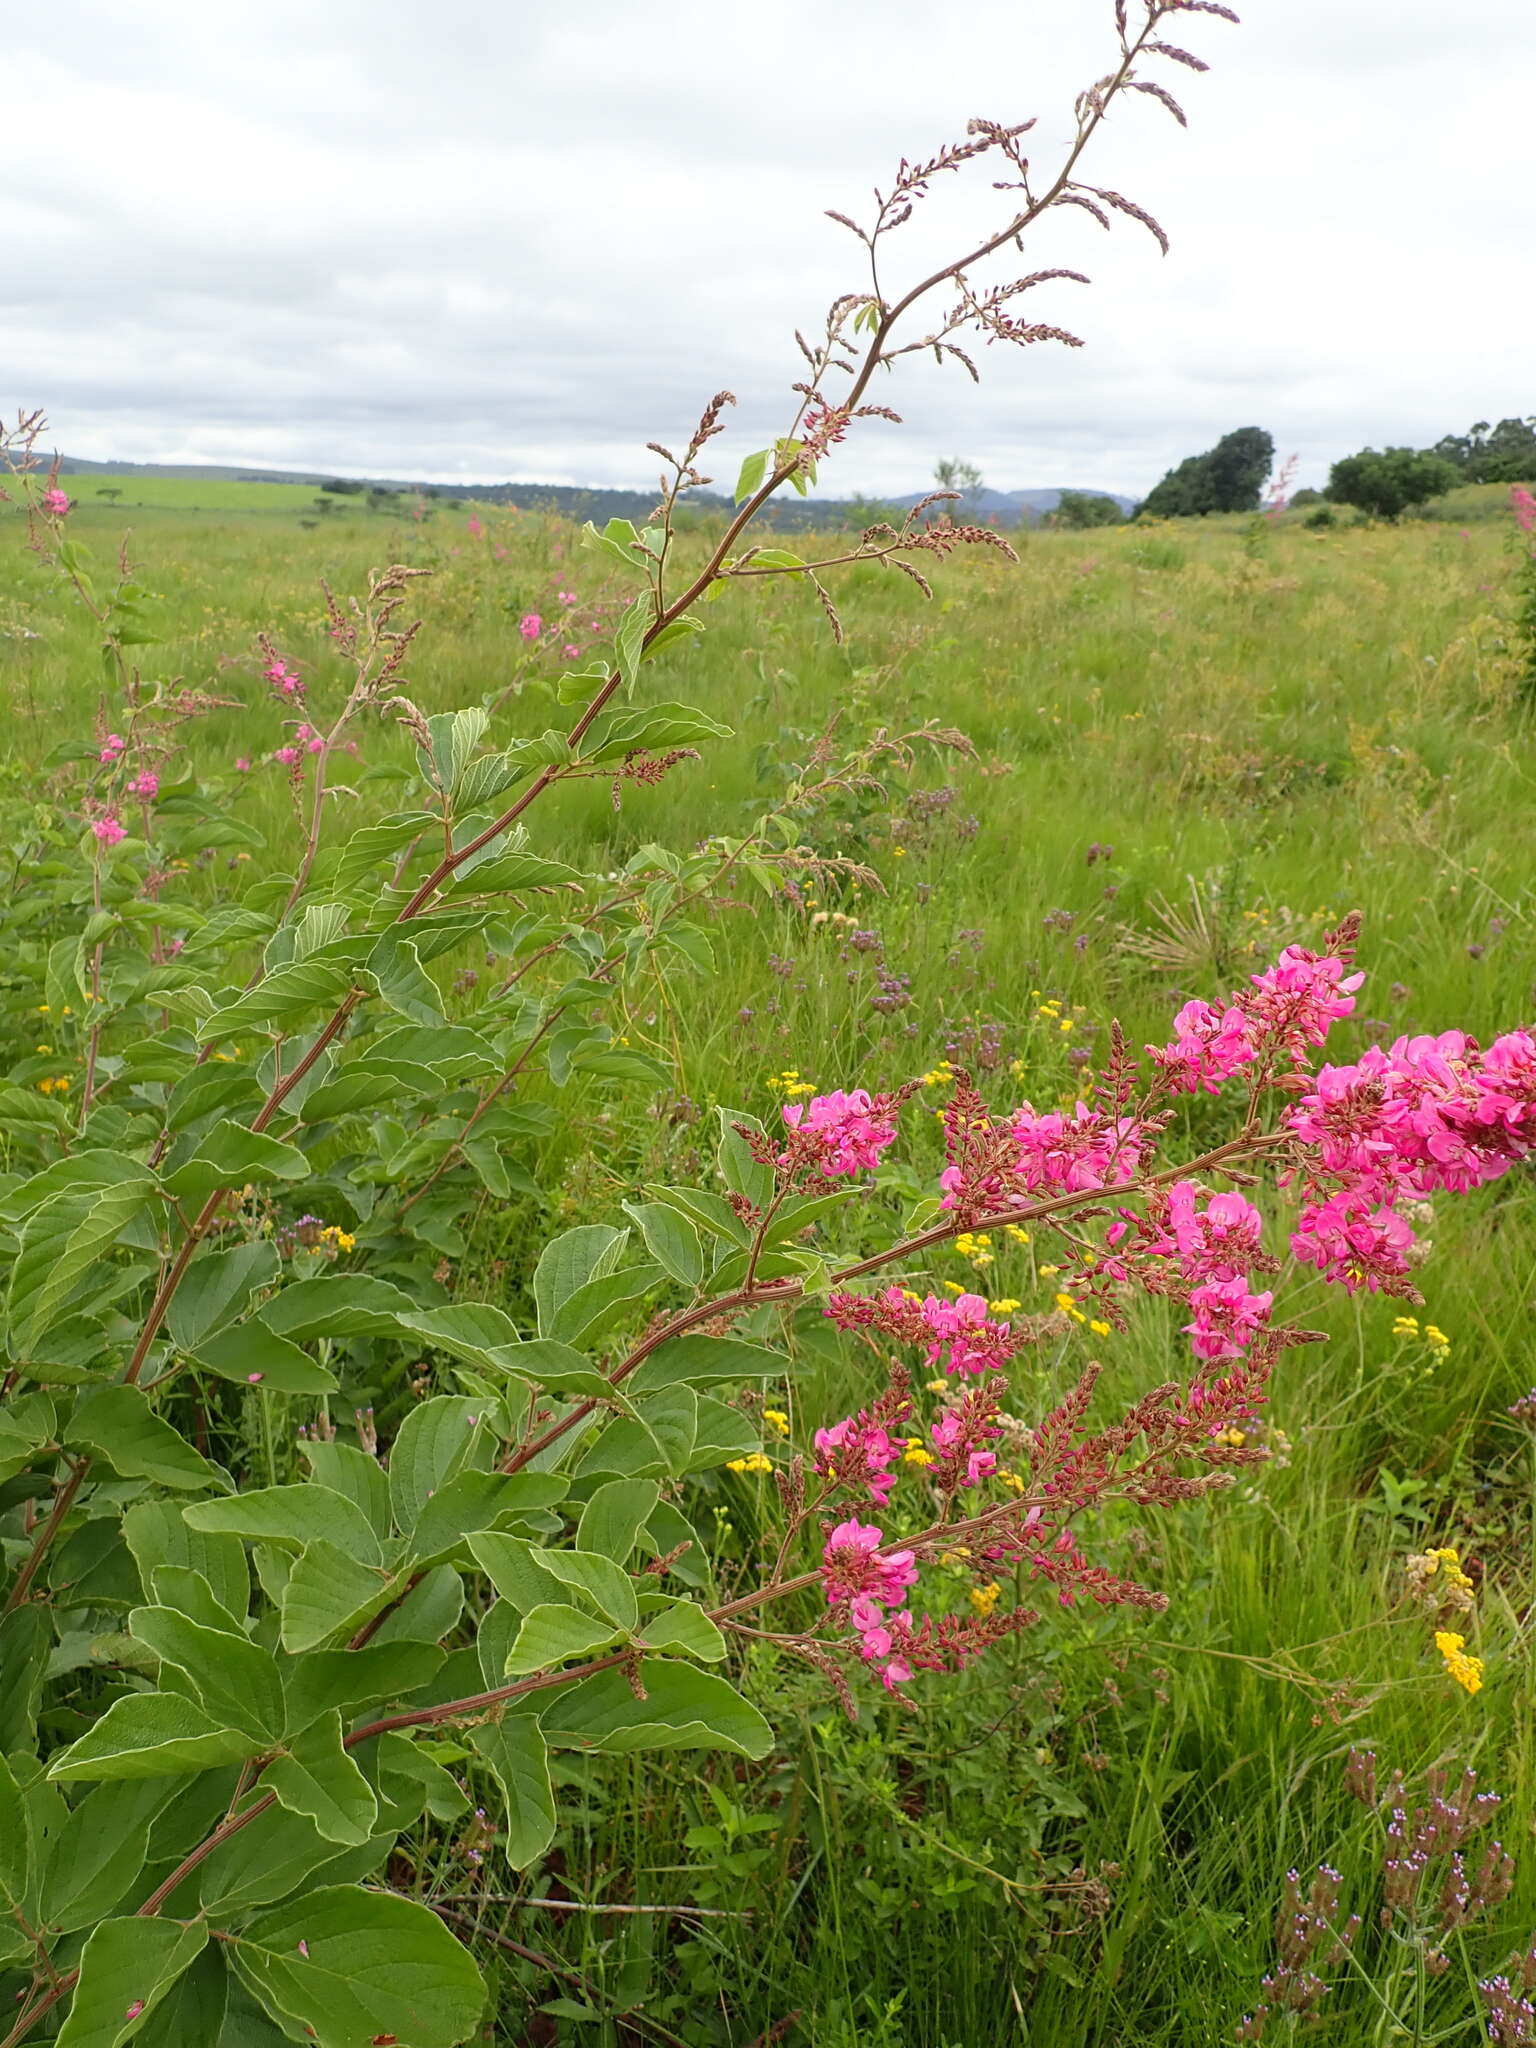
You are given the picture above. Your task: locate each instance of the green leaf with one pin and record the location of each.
(394, 971)
(474, 1501)
(670, 1239)
(358, 1086)
(355, 1965)
(280, 1000)
(268, 1859)
(667, 1624)
(711, 1212)
(720, 1433)
(429, 1612)
(235, 1680)
(557, 1369)
(514, 1748)
(619, 1063)
(438, 1439)
(149, 1735)
(27, 1425)
(100, 1850)
(337, 1305)
(752, 473)
(658, 1438)
(629, 637)
(253, 1356)
(612, 1519)
(386, 840)
(347, 1679)
(60, 1240)
(742, 1174)
(158, 1536)
(329, 1593)
(611, 1591)
(515, 1568)
(570, 1261)
(346, 1469)
(230, 1156)
(189, 1593)
(193, 2010)
(654, 730)
(216, 1287)
(15, 1839)
(507, 874)
(120, 1426)
(317, 1777)
(593, 1309)
(683, 1708)
(692, 1360)
(553, 1632)
(78, 1173)
(126, 1968)
(291, 1516)
(470, 1330)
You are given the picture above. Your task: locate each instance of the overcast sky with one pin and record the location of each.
(483, 240)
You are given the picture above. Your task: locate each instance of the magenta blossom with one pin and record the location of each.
(55, 503)
(108, 831)
(1523, 505)
(1210, 1045)
(1353, 1244)
(113, 745)
(530, 625)
(290, 757)
(858, 1452)
(145, 784)
(283, 679)
(1227, 1318)
(1219, 1242)
(851, 1131)
(852, 1565)
(242, 765)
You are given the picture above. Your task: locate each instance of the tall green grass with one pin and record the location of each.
(1079, 1844)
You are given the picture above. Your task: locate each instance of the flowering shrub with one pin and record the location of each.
(227, 1702)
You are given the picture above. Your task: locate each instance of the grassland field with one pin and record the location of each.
(1191, 743)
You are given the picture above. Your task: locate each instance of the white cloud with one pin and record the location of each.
(487, 241)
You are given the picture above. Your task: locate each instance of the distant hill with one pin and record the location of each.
(1004, 508)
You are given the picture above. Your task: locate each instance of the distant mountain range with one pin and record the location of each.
(1003, 508)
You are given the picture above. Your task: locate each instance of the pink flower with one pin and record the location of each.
(1352, 1243)
(55, 503)
(966, 1340)
(1523, 505)
(474, 528)
(289, 756)
(113, 745)
(1227, 1318)
(108, 830)
(1061, 1154)
(1218, 1243)
(242, 765)
(858, 1452)
(1210, 1045)
(283, 679)
(851, 1565)
(530, 625)
(571, 653)
(1296, 1002)
(145, 784)
(849, 1131)
(566, 596)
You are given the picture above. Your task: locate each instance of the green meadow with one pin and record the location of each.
(1131, 766)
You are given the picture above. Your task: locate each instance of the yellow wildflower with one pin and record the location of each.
(755, 1463)
(339, 1239)
(1467, 1671)
(1436, 1338)
(985, 1598)
(936, 1386)
(1005, 1307)
(1049, 1272)
(1065, 1303)
(1099, 1329)
(915, 1454)
(1019, 1236)
(1405, 1326)
(1066, 1024)
(778, 1418)
(1235, 1437)
(953, 1286)
(44, 1010)
(1011, 1480)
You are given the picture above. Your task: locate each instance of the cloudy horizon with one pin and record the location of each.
(480, 244)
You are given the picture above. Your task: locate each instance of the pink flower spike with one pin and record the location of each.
(55, 503)
(113, 745)
(108, 830)
(530, 625)
(1523, 505)
(242, 765)
(1226, 1318)
(145, 784)
(839, 1133)
(571, 653)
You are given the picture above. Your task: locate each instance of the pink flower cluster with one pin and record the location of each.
(55, 502)
(959, 1335)
(108, 831)
(858, 1452)
(1290, 1007)
(1068, 1154)
(530, 625)
(1523, 506)
(111, 747)
(1425, 1115)
(283, 679)
(849, 1132)
(855, 1575)
(958, 1436)
(1215, 1246)
(145, 785)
